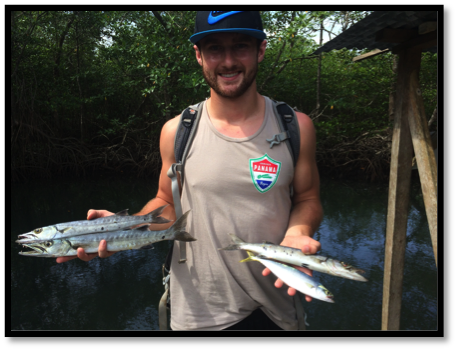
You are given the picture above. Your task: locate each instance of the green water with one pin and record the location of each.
(123, 291)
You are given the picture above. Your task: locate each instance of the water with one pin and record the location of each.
(123, 291)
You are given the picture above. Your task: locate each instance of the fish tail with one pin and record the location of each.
(236, 239)
(161, 220)
(178, 230)
(184, 237)
(155, 215)
(251, 257)
(237, 242)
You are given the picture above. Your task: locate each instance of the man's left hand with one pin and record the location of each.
(308, 246)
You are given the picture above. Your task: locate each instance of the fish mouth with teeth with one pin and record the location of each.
(36, 248)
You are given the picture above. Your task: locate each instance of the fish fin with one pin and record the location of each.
(81, 245)
(63, 230)
(236, 239)
(267, 242)
(249, 258)
(142, 228)
(178, 229)
(149, 246)
(124, 212)
(231, 247)
(311, 286)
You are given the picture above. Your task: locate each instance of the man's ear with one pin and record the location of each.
(261, 54)
(198, 55)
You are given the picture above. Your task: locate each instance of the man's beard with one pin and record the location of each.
(247, 81)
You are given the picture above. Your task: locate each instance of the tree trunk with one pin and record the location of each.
(59, 48)
(78, 71)
(166, 99)
(319, 63)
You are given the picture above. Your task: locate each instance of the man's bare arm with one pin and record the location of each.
(307, 212)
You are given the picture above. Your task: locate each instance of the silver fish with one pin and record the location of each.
(116, 222)
(295, 278)
(138, 238)
(295, 256)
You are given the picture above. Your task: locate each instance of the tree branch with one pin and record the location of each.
(160, 19)
(270, 76)
(272, 73)
(61, 41)
(433, 118)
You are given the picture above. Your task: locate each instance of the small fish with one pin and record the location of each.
(295, 256)
(116, 222)
(294, 278)
(137, 238)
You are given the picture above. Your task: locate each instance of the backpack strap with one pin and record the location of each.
(290, 131)
(183, 139)
(186, 131)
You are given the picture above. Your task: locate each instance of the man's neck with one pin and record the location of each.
(236, 110)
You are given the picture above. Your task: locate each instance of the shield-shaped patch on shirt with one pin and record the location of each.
(264, 172)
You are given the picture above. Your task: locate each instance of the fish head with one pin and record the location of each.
(353, 272)
(39, 234)
(50, 248)
(327, 295)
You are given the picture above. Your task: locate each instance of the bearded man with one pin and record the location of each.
(212, 290)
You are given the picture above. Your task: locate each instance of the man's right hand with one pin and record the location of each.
(102, 252)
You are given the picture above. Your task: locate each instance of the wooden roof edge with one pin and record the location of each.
(385, 31)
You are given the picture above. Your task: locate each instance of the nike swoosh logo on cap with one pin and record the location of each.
(214, 19)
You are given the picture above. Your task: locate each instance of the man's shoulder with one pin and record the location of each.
(301, 117)
(304, 121)
(307, 131)
(169, 129)
(172, 124)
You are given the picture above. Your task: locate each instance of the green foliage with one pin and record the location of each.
(100, 76)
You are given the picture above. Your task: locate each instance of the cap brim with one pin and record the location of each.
(252, 32)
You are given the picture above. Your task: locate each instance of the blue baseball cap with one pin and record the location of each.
(210, 22)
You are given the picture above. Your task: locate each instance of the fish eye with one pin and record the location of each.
(38, 230)
(48, 244)
(346, 266)
(326, 291)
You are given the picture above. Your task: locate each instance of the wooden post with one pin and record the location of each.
(399, 187)
(425, 157)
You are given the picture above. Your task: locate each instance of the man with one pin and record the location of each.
(213, 290)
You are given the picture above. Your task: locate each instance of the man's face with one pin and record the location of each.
(229, 62)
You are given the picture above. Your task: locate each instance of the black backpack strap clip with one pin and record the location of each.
(289, 129)
(185, 131)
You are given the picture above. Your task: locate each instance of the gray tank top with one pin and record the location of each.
(238, 186)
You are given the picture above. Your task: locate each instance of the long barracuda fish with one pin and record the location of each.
(116, 222)
(295, 256)
(138, 238)
(294, 278)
